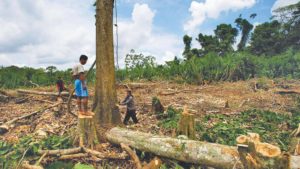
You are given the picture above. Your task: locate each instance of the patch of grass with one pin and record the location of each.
(273, 128)
(10, 154)
(172, 118)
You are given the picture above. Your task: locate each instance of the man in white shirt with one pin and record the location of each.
(79, 67)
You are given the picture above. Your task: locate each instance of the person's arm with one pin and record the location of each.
(128, 100)
(124, 101)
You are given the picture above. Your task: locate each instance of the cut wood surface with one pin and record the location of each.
(190, 151)
(42, 93)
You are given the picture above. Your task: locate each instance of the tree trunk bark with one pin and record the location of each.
(87, 132)
(105, 101)
(186, 124)
(190, 151)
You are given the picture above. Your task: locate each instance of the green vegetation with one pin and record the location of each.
(270, 50)
(217, 128)
(11, 154)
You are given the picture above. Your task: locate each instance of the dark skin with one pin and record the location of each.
(82, 103)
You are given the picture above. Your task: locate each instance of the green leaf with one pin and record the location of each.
(83, 166)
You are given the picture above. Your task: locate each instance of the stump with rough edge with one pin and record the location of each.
(186, 124)
(87, 131)
(257, 155)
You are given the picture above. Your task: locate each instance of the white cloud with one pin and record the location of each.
(140, 34)
(200, 11)
(282, 3)
(40, 33)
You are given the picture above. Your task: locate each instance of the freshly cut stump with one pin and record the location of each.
(257, 155)
(87, 131)
(186, 124)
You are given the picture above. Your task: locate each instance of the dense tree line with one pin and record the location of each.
(270, 49)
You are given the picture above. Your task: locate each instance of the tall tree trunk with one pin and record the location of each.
(105, 108)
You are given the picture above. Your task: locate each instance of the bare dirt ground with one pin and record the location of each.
(226, 98)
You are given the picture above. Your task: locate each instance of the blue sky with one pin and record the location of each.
(39, 33)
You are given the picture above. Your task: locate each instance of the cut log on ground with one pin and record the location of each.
(42, 93)
(186, 124)
(6, 126)
(87, 131)
(189, 151)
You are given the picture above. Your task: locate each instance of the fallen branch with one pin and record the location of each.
(103, 156)
(73, 156)
(189, 151)
(42, 93)
(282, 91)
(26, 165)
(61, 151)
(6, 126)
(133, 155)
(42, 157)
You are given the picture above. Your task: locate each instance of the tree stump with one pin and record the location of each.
(87, 131)
(294, 147)
(157, 107)
(186, 124)
(257, 155)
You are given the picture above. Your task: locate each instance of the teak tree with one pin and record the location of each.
(105, 101)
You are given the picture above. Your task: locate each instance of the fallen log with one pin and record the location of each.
(189, 151)
(42, 93)
(6, 126)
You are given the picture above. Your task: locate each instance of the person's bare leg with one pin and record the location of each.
(85, 105)
(79, 105)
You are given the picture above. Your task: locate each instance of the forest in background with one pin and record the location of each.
(270, 49)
